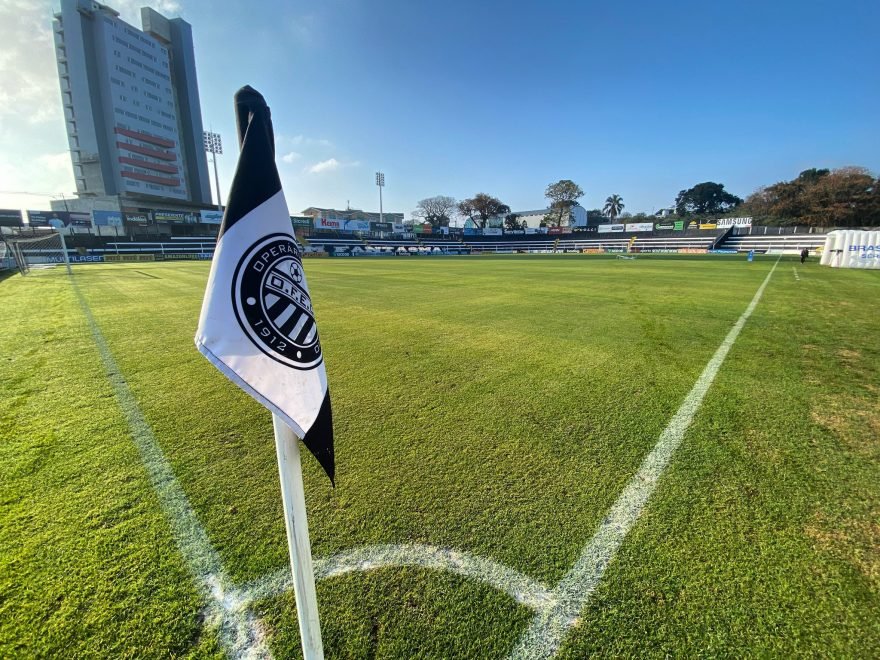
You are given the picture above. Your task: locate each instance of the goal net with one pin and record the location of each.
(45, 249)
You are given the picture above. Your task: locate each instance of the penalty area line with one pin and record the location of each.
(549, 627)
(240, 632)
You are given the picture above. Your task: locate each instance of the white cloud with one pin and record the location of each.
(291, 157)
(324, 166)
(302, 140)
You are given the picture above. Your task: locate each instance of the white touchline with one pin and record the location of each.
(549, 628)
(239, 630)
(796, 276)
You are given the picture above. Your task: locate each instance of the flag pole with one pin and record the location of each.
(293, 497)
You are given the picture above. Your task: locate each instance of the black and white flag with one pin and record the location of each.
(257, 323)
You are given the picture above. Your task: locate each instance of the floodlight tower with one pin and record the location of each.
(380, 182)
(213, 145)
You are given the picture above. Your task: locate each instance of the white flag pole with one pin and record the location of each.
(293, 497)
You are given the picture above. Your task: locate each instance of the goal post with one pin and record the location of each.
(44, 250)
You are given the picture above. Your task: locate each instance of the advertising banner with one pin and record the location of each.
(444, 230)
(692, 250)
(679, 225)
(585, 229)
(640, 226)
(355, 225)
(692, 224)
(664, 226)
(137, 218)
(212, 217)
(10, 218)
(493, 231)
(514, 232)
(301, 221)
(417, 229)
(59, 219)
(470, 231)
(592, 251)
(604, 229)
(382, 226)
(174, 217)
(559, 230)
(107, 218)
(427, 228)
(398, 227)
(722, 251)
(708, 225)
(326, 223)
(734, 222)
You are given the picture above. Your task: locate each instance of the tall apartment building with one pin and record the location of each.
(131, 105)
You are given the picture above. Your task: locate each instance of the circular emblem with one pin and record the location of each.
(272, 303)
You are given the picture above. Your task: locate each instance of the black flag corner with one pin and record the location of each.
(319, 439)
(256, 176)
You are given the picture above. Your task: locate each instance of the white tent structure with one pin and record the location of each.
(851, 248)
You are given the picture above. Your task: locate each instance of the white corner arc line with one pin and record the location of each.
(549, 627)
(521, 588)
(240, 632)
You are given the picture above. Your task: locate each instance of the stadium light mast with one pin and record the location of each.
(380, 182)
(214, 145)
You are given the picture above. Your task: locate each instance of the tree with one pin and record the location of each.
(845, 197)
(595, 216)
(481, 207)
(613, 206)
(436, 210)
(705, 198)
(512, 222)
(562, 195)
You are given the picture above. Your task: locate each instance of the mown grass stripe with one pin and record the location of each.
(549, 627)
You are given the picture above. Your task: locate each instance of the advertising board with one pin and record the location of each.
(210, 217)
(734, 222)
(604, 229)
(584, 229)
(59, 219)
(559, 230)
(382, 226)
(708, 225)
(174, 217)
(493, 231)
(136, 218)
(107, 218)
(639, 226)
(678, 225)
(301, 221)
(664, 226)
(355, 225)
(692, 250)
(10, 218)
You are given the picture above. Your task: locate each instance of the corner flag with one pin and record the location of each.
(257, 324)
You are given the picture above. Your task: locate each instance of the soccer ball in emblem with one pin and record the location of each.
(296, 272)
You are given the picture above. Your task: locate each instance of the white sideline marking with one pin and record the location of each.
(523, 589)
(240, 631)
(548, 628)
(796, 276)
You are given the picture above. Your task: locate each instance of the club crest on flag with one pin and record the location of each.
(272, 303)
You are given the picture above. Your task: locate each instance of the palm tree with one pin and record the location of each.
(613, 206)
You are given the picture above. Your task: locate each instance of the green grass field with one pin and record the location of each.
(492, 405)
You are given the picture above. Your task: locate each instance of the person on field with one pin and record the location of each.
(804, 254)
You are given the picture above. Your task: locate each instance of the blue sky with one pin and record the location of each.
(636, 98)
